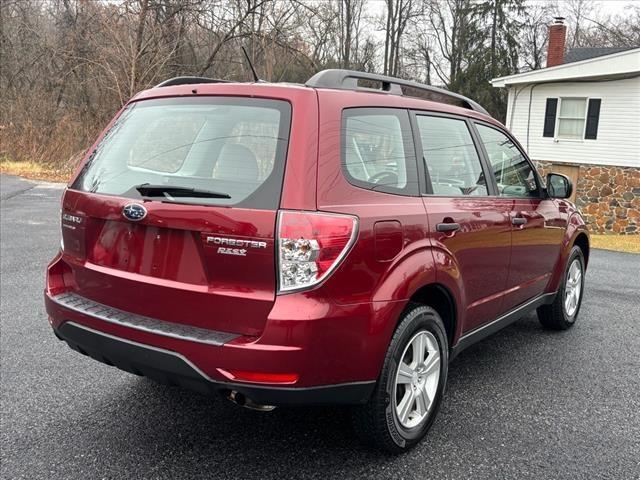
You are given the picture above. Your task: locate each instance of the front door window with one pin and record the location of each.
(514, 174)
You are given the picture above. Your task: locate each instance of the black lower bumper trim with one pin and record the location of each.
(172, 368)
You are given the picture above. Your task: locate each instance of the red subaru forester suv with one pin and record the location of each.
(326, 243)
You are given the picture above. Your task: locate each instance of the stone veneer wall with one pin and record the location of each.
(608, 197)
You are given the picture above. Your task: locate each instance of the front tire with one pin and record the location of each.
(409, 391)
(563, 312)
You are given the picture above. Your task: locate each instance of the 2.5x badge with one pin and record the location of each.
(234, 246)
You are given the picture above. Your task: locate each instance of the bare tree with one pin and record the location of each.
(67, 65)
(614, 30)
(576, 12)
(455, 34)
(398, 15)
(534, 36)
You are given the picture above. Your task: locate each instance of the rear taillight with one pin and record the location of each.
(311, 245)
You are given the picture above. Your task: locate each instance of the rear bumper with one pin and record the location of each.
(335, 352)
(172, 368)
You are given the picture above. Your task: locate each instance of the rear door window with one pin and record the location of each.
(229, 146)
(377, 150)
(450, 156)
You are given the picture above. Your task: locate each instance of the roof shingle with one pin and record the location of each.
(585, 53)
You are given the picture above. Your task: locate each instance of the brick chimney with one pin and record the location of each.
(557, 34)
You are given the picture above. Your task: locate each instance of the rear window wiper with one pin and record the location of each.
(169, 191)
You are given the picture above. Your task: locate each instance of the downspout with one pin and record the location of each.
(513, 104)
(513, 107)
(529, 114)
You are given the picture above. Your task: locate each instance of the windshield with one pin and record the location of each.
(234, 147)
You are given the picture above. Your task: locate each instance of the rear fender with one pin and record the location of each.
(449, 276)
(417, 269)
(406, 274)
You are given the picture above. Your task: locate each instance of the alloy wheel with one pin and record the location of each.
(573, 288)
(417, 379)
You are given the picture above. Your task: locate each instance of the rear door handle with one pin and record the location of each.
(518, 220)
(448, 227)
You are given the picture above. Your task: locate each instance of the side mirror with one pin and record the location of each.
(559, 186)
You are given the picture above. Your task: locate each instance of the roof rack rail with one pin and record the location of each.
(187, 81)
(348, 80)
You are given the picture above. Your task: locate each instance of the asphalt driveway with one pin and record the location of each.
(525, 403)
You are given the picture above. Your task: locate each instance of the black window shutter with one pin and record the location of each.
(593, 117)
(550, 117)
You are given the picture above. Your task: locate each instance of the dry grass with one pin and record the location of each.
(619, 243)
(39, 144)
(36, 171)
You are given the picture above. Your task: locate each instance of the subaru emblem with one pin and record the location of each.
(134, 212)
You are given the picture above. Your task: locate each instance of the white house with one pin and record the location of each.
(581, 117)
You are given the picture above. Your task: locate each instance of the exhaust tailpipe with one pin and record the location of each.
(240, 399)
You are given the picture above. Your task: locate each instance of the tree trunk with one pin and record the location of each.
(387, 39)
(347, 36)
(494, 28)
(135, 60)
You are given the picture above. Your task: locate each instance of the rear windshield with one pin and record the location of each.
(230, 151)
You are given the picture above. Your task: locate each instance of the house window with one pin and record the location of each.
(574, 118)
(571, 118)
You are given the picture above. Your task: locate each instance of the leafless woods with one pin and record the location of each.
(67, 65)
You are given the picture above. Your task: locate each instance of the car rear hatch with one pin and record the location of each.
(173, 216)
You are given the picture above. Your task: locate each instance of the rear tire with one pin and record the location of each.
(409, 391)
(563, 312)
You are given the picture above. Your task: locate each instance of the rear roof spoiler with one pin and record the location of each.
(188, 81)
